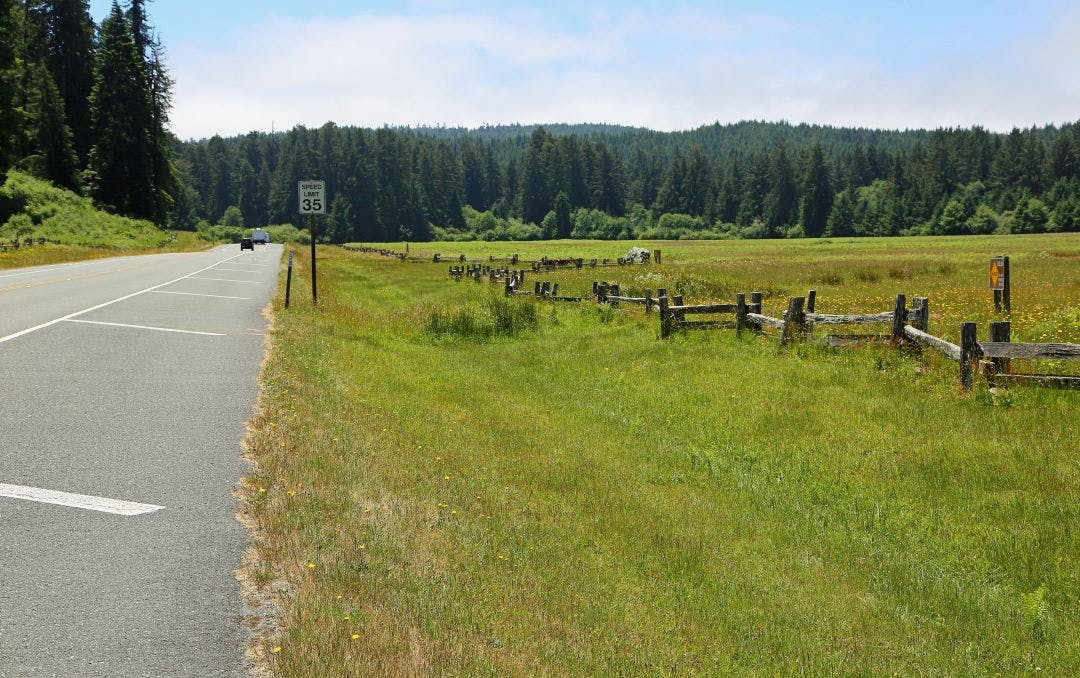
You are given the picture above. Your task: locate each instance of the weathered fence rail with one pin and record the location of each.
(16, 243)
(537, 265)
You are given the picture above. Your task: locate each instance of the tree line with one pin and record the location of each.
(87, 106)
(750, 179)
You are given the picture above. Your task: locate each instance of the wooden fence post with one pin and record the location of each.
(536, 288)
(898, 319)
(969, 352)
(755, 307)
(1000, 331)
(615, 293)
(793, 320)
(811, 296)
(665, 318)
(921, 321)
(648, 302)
(740, 313)
(595, 290)
(656, 256)
(555, 290)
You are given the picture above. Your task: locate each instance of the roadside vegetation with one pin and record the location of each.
(574, 496)
(75, 229)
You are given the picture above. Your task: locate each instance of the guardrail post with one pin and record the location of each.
(969, 353)
(740, 313)
(665, 316)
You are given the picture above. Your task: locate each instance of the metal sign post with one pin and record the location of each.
(999, 283)
(311, 199)
(288, 280)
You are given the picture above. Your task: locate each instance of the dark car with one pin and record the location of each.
(247, 244)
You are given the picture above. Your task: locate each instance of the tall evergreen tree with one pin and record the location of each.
(817, 193)
(52, 155)
(70, 59)
(535, 202)
(781, 200)
(10, 118)
(121, 167)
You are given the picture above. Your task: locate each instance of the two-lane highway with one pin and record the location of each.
(124, 387)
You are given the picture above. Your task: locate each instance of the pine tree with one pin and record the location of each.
(562, 215)
(817, 194)
(70, 59)
(780, 202)
(52, 155)
(121, 167)
(10, 118)
(533, 193)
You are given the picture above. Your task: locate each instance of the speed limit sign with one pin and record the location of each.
(311, 197)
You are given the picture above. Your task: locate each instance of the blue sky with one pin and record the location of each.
(242, 65)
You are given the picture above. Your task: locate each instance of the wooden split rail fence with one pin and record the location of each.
(537, 265)
(16, 243)
(904, 325)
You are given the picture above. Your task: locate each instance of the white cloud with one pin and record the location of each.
(667, 71)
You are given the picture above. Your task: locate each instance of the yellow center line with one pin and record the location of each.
(85, 276)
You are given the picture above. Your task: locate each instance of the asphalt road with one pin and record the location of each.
(127, 381)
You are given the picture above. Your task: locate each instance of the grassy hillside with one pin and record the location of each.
(32, 208)
(568, 495)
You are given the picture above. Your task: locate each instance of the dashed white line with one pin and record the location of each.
(83, 501)
(192, 294)
(236, 270)
(69, 316)
(252, 282)
(145, 327)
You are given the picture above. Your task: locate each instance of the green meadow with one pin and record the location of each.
(449, 482)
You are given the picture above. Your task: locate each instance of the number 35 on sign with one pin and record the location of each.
(311, 197)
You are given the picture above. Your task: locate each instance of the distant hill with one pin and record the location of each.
(739, 139)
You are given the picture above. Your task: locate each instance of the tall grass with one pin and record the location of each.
(588, 500)
(494, 317)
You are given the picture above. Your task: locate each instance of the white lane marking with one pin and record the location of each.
(253, 282)
(69, 316)
(83, 501)
(236, 270)
(54, 268)
(146, 327)
(192, 294)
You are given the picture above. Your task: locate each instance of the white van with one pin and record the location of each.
(260, 235)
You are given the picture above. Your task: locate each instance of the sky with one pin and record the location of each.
(258, 65)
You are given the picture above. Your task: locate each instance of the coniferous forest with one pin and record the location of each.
(87, 106)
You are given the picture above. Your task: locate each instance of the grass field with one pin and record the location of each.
(450, 484)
